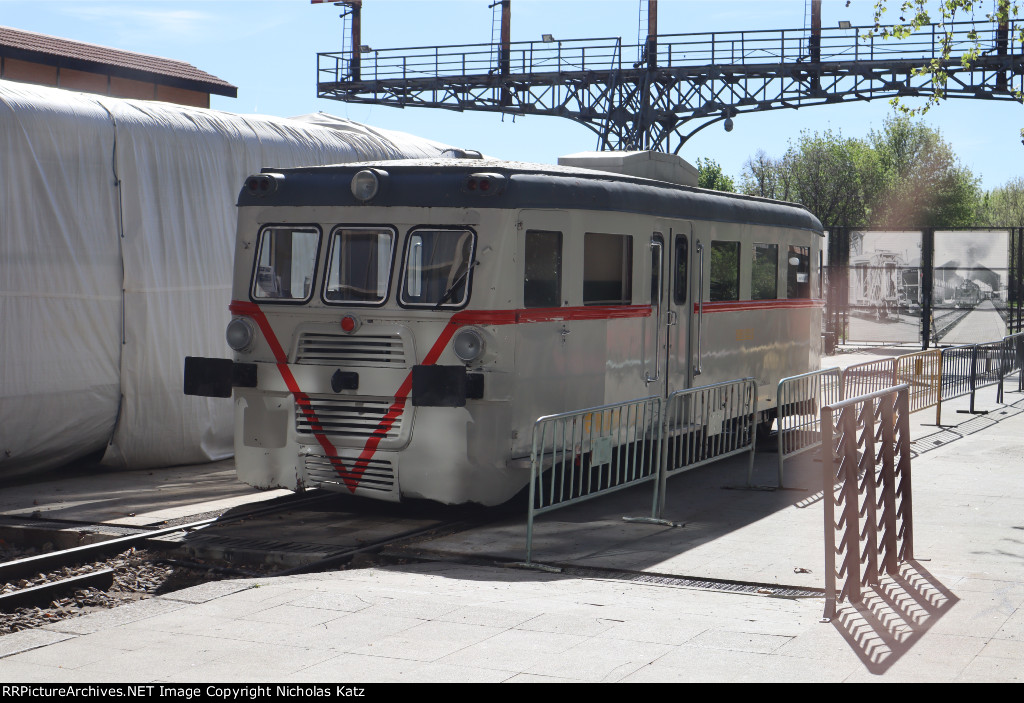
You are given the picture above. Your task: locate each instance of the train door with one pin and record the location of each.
(678, 291)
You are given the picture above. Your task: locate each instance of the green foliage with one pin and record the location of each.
(710, 175)
(1003, 207)
(903, 176)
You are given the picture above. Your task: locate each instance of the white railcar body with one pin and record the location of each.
(399, 337)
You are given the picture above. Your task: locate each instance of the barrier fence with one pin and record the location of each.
(870, 490)
(799, 423)
(582, 454)
(706, 424)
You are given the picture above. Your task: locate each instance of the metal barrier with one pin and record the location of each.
(1015, 357)
(989, 368)
(868, 377)
(871, 490)
(922, 372)
(582, 454)
(799, 398)
(706, 424)
(955, 371)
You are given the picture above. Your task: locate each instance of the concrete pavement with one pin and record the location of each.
(627, 609)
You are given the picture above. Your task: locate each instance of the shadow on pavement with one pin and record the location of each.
(893, 616)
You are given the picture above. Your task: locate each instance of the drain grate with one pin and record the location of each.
(741, 587)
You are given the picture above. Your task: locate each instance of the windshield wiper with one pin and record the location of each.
(454, 286)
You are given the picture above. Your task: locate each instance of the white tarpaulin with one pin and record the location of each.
(117, 232)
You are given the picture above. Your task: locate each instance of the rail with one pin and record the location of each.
(604, 54)
(582, 454)
(799, 399)
(870, 489)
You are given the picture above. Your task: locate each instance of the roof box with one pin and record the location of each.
(641, 164)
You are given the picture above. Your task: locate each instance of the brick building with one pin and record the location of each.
(29, 57)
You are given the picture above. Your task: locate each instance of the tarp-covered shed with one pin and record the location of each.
(117, 226)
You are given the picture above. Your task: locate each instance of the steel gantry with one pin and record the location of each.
(658, 93)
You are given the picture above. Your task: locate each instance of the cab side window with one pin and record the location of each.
(764, 281)
(798, 278)
(607, 269)
(725, 271)
(542, 275)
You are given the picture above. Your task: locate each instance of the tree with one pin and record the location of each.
(917, 180)
(902, 176)
(1004, 207)
(710, 175)
(820, 171)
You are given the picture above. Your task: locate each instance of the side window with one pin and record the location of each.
(359, 265)
(542, 273)
(285, 264)
(679, 280)
(764, 282)
(725, 271)
(437, 268)
(798, 278)
(607, 269)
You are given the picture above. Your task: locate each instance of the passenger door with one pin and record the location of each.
(681, 282)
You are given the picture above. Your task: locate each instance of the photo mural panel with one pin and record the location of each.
(885, 287)
(969, 287)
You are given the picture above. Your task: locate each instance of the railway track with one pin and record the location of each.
(145, 561)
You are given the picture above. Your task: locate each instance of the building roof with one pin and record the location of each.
(54, 51)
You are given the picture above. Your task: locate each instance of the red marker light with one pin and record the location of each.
(485, 185)
(348, 323)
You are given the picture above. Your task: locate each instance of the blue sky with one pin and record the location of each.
(268, 49)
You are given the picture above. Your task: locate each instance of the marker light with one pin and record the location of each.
(349, 323)
(365, 184)
(469, 345)
(261, 185)
(240, 333)
(484, 183)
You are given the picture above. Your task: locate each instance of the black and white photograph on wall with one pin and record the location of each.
(885, 287)
(969, 287)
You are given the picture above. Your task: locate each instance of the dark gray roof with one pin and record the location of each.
(439, 183)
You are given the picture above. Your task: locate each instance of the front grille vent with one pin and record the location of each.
(346, 417)
(376, 350)
(377, 474)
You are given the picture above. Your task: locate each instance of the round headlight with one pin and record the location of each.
(468, 345)
(239, 334)
(365, 184)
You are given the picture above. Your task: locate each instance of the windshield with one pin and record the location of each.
(285, 263)
(359, 265)
(437, 268)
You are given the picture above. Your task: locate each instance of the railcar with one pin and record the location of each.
(399, 326)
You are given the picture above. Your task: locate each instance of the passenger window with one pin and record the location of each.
(607, 269)
(285, 263)
(657, 263)
(359, 266)
(542, 275)
(437, 268)
(764, 281)
(679, 278)
(798, 280)
(725, 271)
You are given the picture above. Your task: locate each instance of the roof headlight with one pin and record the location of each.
(366, 183)
(240, 334)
